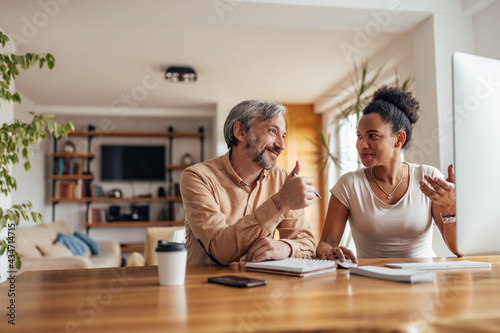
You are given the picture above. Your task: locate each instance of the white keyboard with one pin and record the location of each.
(441, 265)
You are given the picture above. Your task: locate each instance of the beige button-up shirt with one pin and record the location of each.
(227, 216)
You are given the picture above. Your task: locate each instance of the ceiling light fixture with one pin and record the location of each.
(180, 74)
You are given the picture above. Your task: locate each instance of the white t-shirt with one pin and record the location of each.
(380, 230)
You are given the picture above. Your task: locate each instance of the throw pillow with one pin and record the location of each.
(74, 244)
(55, 250)
(92, 244)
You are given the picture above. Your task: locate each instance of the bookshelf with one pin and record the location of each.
(76, 184)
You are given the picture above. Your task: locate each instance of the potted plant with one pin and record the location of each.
(360, 94)
(16, 141)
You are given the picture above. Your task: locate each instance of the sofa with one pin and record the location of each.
(38, 250)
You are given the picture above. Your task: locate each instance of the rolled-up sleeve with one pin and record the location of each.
(295, 231)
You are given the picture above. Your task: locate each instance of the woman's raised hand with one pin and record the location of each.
(441, 192)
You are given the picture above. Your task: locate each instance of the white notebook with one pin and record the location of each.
(293, 266)
(464, 264)
(400, 275)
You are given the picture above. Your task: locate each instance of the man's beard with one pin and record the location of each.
(258, 157)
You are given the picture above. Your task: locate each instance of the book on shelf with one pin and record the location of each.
(392, 274)
(77, 189)
(67, 166)
(293, 267)
(96, 215)
(96, 191)
(67, 189)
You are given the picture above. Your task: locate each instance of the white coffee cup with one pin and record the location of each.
(172, 258)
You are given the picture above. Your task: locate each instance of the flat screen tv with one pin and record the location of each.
(133, 163)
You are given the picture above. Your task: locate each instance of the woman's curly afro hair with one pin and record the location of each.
(396, 107)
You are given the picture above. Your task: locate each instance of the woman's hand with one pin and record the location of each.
(326, 251)
(441, 192)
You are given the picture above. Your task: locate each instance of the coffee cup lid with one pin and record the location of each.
(164, 246)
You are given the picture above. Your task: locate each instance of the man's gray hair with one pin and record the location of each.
(246, 113)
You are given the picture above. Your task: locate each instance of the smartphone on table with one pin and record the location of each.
(237, 281)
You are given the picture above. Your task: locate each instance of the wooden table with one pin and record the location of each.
(130, 300)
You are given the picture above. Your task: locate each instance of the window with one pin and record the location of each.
(343, 145)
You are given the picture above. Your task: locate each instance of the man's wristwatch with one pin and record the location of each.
(449, 219)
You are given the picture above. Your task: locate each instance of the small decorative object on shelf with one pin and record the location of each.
(187, 159)
(161, 192)
(69, 147)
(115, 193)
(114, 214)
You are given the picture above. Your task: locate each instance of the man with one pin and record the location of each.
(235, 202)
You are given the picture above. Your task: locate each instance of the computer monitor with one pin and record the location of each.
(476, 127)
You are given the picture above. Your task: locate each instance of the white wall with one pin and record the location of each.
(222, 111)
(29, 186)
(435, 40)
(486, 27)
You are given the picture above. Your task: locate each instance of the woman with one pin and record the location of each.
(389, 206)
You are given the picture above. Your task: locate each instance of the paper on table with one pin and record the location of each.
(385, 273)
(465, 264)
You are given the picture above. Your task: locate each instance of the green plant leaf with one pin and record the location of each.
(3, 39)
(18, 261)
(50, 60)
(16, 97)
(57, 130)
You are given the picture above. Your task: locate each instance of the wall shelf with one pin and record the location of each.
(71, 177)
(121, 224)
(115, 200)
(73, 155)
(83, 179)
(140, 134)
(177, 166)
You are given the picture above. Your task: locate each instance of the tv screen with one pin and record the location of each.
(133, 163)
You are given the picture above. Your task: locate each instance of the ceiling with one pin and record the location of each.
(114, 52)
